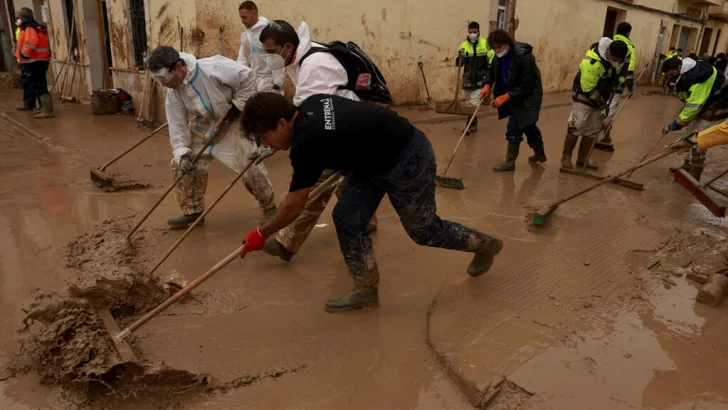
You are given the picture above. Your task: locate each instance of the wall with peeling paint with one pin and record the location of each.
(560, 31)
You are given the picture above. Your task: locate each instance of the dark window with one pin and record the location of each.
(138, 31)
(72, 29)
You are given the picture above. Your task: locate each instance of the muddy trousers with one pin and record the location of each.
(585, 121)
(294, 235)
(410, 185)
(233, 151)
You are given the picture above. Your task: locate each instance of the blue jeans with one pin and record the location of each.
(410, 185)
(514, 134)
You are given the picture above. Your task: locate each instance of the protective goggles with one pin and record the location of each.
(163, 75)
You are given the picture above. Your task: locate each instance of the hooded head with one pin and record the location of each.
(168, 68)
(612, 52)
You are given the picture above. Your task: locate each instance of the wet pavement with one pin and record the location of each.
(570, 317)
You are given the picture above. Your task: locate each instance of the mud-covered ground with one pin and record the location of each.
(256, 335)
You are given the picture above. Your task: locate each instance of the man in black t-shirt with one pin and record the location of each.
(381, 153)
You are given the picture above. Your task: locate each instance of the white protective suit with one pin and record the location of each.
(320, 73)
(252, 55)
(210, 88)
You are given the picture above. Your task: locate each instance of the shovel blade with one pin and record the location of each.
(99, 178)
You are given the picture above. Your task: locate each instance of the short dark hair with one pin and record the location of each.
(679, 49)
(624, 28)
(672, 48)
(474, 24)
(263, 111)
(248, 5)
(721, 56)
(671, 64)
(618, 49)
(281, 32)
(499, 37)
(164, 57)
(26, 13)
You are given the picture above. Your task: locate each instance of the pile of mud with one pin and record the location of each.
(63, 339)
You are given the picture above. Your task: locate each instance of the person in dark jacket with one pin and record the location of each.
(515, 81)
(721, 64)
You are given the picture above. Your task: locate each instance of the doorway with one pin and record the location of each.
(705, 43)
(682, 43)
(612, 19)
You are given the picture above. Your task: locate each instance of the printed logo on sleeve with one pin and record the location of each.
(329, 117)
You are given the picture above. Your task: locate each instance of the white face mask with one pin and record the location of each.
(19, 22)
(473, 36)
(162, 76)
(275, 61)
(614, 63)
(503, 53)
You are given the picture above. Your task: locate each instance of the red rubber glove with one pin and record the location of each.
(485, 92)
(501, 100)
(253, 241)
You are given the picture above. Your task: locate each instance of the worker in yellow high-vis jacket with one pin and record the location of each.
(709, 138)
(702, 87)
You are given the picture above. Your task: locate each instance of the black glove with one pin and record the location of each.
(630, 84)
(185, 164)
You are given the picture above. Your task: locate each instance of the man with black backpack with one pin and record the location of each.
(316, 68)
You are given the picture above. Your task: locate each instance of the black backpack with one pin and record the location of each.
(365, 79)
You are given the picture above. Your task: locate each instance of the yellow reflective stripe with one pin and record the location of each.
(698, 96)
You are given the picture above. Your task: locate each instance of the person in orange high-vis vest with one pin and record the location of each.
(33, 53)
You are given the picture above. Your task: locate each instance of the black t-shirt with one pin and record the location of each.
(333, 132)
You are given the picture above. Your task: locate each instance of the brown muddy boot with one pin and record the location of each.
(607, 138)
(483, 260)
(584, 148)
(511, 156)
(360, 297)
(569, 145)
(274, 248)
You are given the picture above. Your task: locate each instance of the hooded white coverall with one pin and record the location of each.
(320, 73)
(194, 109)
(252, 55)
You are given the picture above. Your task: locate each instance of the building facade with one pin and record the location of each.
(106, 40)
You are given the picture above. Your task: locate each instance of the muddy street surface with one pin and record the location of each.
(593, 311)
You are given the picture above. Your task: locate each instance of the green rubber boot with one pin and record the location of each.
(360, 297)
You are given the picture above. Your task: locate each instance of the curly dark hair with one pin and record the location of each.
(499, 38)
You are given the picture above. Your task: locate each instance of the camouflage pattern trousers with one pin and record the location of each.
(233, 150)
(410, 186)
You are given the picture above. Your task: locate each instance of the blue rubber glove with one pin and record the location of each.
(672, 127)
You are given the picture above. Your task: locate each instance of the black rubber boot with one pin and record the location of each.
(473, 127)
(24, 108)
(569, 145)
(695, 172)
(482, 261)
(584, 147)
(510, 162)
(358, 298)
(185, 221)
(274, 248)
(607, 138)
(685, 165)
(539, 154)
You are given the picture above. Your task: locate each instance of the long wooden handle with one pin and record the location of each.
(455, 151)
(195, 283)
(128, 150)
(207, 211)
(223, 126)
(606, 180)
(167, 303)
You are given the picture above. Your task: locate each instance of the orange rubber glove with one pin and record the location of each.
(485, 92)
(501, 100)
